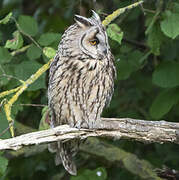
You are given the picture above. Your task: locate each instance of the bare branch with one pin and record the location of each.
(140, 130)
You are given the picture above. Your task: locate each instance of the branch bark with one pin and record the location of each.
(126, 128)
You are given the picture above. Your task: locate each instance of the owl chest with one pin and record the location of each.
(83, 84)
(89, 87)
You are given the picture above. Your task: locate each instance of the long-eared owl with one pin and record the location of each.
(81, 82)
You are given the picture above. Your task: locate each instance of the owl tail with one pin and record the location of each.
(64, 156)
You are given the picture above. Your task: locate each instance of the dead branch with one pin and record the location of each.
(125, 128)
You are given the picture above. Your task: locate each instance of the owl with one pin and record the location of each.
(81, 82)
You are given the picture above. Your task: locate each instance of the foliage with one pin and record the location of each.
(145, 43)
(114, 33)
(3, 164)
(98, 174)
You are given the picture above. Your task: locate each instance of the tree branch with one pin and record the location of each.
(140, 130)
(115, 155)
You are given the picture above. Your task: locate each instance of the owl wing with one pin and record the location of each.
(113, 76)
(53, 67)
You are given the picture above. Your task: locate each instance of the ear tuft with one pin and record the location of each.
(96, 16)
(82, 21)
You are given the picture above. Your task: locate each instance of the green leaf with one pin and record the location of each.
(175, 7)
(134, 59)
(4, 80)
(163, 103)
(170, 51)
(33, 52)
(45, 121)
(3, 164)
(87, 174)
(124, 69)
(16, 42)
(4, 125)
(6, 19)
(48, 38)
(115, 33)
(28, 68)
(155, 39)
(49, 52)
(1, 36)
(5, 56)
(170, 25)
(28, 25)
(128, 64)
(166, 75)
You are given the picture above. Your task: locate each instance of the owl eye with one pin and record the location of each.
(94, 42)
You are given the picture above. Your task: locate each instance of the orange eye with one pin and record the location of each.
(94, 42)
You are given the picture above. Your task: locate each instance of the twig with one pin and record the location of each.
(34, 105)
(18, 26)
(136, 43)
(159, 8)
(4, 131)
(22, 88)
(20, 50)
(149, 11)
(118, 12)
(126, 128)
(10, 77)
(5, 93)
(2, 69)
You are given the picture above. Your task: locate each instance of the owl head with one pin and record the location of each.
(92, 37)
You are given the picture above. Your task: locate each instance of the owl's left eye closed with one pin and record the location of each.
(94, 42)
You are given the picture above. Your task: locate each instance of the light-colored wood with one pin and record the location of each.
(122, 128)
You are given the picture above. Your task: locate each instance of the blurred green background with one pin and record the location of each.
(147, 84)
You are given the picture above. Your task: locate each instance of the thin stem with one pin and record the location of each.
(18, 26)
(11, 77)
(35, 105)
(159, 8)
(118, 12)
(20, 50)
(4, 131)
(2, 69)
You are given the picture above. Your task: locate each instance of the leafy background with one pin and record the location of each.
(147, 84)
